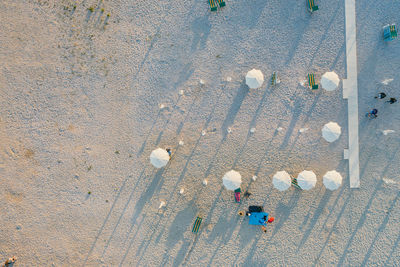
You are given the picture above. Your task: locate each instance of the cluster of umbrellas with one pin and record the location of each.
(306, 180)
(232, 180)
(329, 81)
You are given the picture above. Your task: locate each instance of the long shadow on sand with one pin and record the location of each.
(298, 107)
(235, 107)
(229, 119)
(317, 213)
(182, 175)
(362, 219)
(123, 211)
(252, 123)
(201, 28)
(394, 248)
(364, 215)
(284, 210)
(324, 35)
(379, 231)
(153, 41)
(144, 198)
(105, 221)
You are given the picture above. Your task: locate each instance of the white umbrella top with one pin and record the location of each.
(332, 180)
(331, 131)
(306, 180)
(232, 180)
(159, 157)
(330, 81)
(281, 180)
(254, 79)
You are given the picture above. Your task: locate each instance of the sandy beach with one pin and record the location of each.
(88, 89)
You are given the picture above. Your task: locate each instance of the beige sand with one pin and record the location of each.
(80, 93)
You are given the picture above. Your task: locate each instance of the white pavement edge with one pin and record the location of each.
(350, 92)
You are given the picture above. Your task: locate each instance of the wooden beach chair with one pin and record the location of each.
(311, 6)
(221, 3)
(213, 6)
(389, 32)
(311, 82)
(197, 224)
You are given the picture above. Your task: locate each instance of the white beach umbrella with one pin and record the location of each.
(281, 180)
(306, 180)
(232, 180)
(331, 131)
(330, 81)
(254, 79)
(332, 180)
(159, 157)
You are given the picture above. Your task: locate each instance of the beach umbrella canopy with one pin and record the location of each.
(331, 131)
(159, 157)
(281, 180)
(332, 180)
(306, 180)
(330, 81)
(232, 180)
(254, 79)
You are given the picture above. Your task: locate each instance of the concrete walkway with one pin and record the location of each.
(350, 92)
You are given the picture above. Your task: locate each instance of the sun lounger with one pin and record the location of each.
(221, 3)
(311, 82)
(311, 5)
(197, 224)
(295, 184)
(274, 79)
(213, 6)
(237, 195)
(389, 32)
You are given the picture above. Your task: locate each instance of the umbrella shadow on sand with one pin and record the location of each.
(284, 210)
(201, 28)
(317, 213)
(109, 213)
(364, 216)
(378, 187)
(154, 186)
(175, 234)
(223, 230)
(235, 107)
(267, 92)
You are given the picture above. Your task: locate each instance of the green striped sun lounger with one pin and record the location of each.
(274, 79)
(197, 224)
(221, 3)
(311, 82)
(295, 184)
(213, 6)
(311, 5)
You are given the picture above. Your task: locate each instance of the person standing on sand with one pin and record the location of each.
(373, 113)
(381, 96)
(392, 100)
(169, 152)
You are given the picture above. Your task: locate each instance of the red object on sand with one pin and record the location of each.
(270, 220)
(237, 197)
